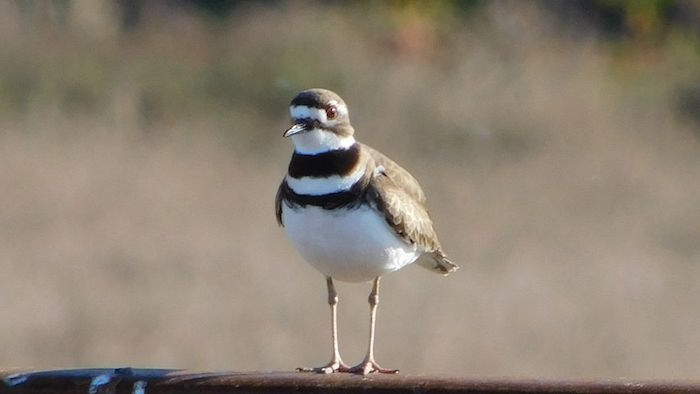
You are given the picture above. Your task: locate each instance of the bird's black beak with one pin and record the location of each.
(296, 129)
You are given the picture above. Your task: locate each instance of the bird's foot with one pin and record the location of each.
(333, 366)
(369, 366)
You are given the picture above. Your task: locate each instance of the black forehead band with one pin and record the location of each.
(308, 100)
(314, 100)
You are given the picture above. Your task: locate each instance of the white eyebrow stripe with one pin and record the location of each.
(304, 112)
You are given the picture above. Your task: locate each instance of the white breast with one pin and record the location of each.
(320, 186)
(352, 245)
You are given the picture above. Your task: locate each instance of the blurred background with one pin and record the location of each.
(558, 142)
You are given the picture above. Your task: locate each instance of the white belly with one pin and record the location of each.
(352, 245)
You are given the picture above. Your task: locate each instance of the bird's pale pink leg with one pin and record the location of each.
(369, 365)
(336, 364)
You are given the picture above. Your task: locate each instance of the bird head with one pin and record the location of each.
(320, 121)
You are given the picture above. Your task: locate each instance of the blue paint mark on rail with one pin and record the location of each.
(15, 379)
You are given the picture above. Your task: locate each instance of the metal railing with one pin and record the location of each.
(151, 381)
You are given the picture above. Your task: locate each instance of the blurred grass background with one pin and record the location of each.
(559, 144)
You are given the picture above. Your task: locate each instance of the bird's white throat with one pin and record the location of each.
(317, 141)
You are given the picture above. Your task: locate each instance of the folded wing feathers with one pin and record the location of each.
(278, 205)
(402, 177)
(402, 206)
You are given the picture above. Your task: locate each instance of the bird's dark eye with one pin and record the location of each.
(331, 112)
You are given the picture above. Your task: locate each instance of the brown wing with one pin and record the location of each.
(402, 177)
(278, 205)
(405, 214)
(409, 218)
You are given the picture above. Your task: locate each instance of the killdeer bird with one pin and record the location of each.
(351, 212)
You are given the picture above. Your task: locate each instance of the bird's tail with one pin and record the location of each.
(438, 263)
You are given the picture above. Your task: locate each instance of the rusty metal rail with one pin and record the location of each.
(152, 381)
